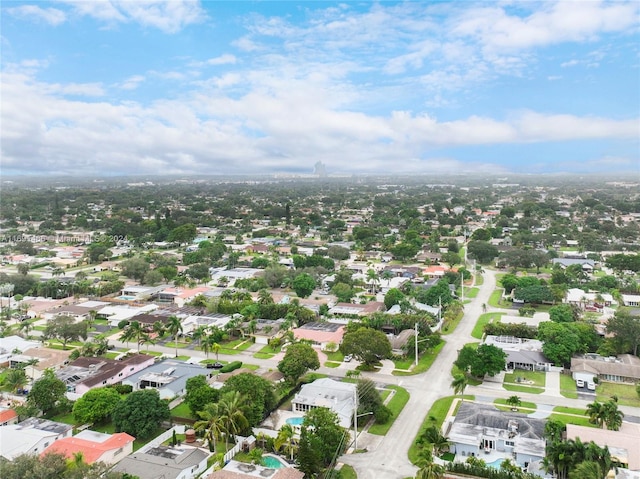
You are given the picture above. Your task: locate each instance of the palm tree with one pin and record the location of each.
(232, 414)
(16, 379)
(199, 334)
(372, 279)
(174, 327)
(387, 275)
(286, 438)
(158, 328)
(595, 411)
(514, 401)
(612, 416)
(215, 347)
(92, 317)
(26, 326)
(428, 468)
(264, 297)
(133, 331)
(587, 470)
(434, 437)
(210, 423)
(459, 384)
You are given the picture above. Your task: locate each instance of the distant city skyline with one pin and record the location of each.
(106, 88)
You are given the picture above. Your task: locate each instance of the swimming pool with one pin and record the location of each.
(496, 464)
(295, 421)
(272, 462)
(126, 298)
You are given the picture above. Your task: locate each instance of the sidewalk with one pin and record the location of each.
(552, 387)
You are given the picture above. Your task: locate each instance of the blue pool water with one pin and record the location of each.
(272, 462)
(295, 421)
(496, 464)
(126, 298)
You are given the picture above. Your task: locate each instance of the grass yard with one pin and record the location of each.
(570, 419)
(395, 405)
(435, 417)
(483, 320)
(538, 378)
(471, 293)
(450, 327)
(479, 279)
(570, 410)
(331, 364)
(568, 387)
(525, 407)
(260, 355)
(183, 358)
(181, 344)
(403, 363)
(496, 301)
(424, 363)
(112, 355)
(347, 472)
(336, 356)
(269, 350)
(523, 389)
(182, 410)
(627, 395)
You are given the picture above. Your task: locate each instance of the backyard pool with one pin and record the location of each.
(496, 464)
(126, 298)
(272, 462)
(295, 421)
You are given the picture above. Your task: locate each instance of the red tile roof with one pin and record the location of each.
(7, 415)
(91, 451)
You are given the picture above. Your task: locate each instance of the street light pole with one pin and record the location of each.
(355, 419)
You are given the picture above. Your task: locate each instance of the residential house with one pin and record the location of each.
(241, 470)
(182, 462)
(483, 431)
(87, 373)
(622, 369)
(14, 345)
(357, 309)
(587, 265)
(193, 322)
(337, 396)
(44, 358)
(631, 300)
(94, 446)
(180, 296)
(31, 436)
(117, 313)
(8, 416)
(623, 444)
(266, 329)
(521, 353)
(320, 333)
(169, 377)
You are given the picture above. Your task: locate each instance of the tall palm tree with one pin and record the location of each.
(428, 468)
(200, 334)
(264, 297)
(387, 275)
(232, 414)
(612, 416)
(286, 438)
(587, 470)
(215, 347)
(174, 327)
(596, 413)
(372, 279)
(133, 331)
(210, 423)
(459, 384)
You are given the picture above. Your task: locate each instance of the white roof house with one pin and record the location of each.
(31, 436)
(337, 396)
(15, 343)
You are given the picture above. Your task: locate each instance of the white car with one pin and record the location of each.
(348, 358)
(580, 383)
(591, 386)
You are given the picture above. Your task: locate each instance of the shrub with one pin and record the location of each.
(231, 367)
(122, 388)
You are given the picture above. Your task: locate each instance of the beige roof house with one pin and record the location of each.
(623, 444)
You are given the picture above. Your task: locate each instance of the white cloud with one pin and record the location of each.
(131, 83)
(225, 59)
(167, 16)
(52, 16)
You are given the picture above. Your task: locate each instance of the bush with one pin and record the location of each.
(382, 414)
(231, 367)
(122, 388)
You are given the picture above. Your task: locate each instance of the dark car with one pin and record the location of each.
(215, 365)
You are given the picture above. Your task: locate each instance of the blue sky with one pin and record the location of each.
(183, 87)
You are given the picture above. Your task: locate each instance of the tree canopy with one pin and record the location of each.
(96, 405)
(140, 413)
(298, 359)
(366, 345)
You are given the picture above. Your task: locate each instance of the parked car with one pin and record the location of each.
(591, 386)
(580, 383)
(348, 358)
(215, 365)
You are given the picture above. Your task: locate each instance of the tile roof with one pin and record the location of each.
(91, 450)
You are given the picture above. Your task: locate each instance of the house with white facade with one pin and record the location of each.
(94, 446)
(181, 462)
(337, 396)
(31, 436)
(483, 431)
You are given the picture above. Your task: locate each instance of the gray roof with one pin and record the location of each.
(625, 365)
(174, 374)
(526, 357)
(488, 416)
(161, 462)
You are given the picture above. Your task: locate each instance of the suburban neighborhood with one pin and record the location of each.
(387, 329)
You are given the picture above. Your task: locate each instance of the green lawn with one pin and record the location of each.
(435, 417)
(403, 363)
(523, 389)
(570, 410)
(335, 356)
(348, 472)
(479, 279)
(568, 387)
(395, 405)
(471, 293)
(570, 419)
(424, 363)
(448, 328)
(182, 410)
(627, 395)
(260, 355)
(495, 299)
(183, 358)
(331, 364)
(112, 355)
(525, 407)
(483, 320)
(269, 350)
(181, 344)
(538, 378)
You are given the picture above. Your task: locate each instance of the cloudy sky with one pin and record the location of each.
(100, 87)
